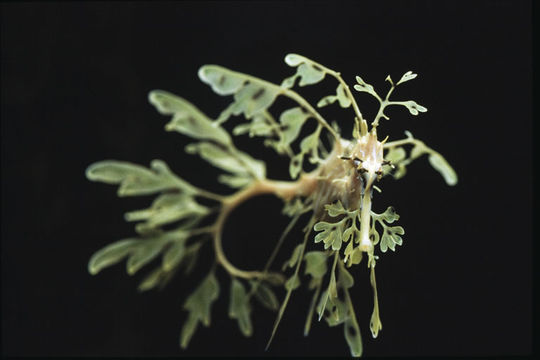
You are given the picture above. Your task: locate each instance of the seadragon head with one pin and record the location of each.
(368, 158)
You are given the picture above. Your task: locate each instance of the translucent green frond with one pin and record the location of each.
(187, 119)
(199, 304)
(137, 180)
(239, 307)
(308, 71)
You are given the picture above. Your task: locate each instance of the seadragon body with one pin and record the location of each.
(338, 194)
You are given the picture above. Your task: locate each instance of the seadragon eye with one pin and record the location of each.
(356, 161)
(389, 163)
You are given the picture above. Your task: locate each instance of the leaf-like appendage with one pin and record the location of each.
(174, 255)
(189, 328)
(389, 215)
(321, 306)
(157, 278)
(295, 59)
(335, 209)
(437, 161)
(336, 308)
(327, 100)
(251, 95)
(295, 166)
(409, 75)
(309, 145)
(222, 81)
(332, 234)
(151, 280)
(340, 96)
(198, 304)
(295, 257)
(191, 256)
(316, 263)
(265, 295)
(391, 237)
(375, 324)
(140, 251)
(114, 172)
(253, 99)
(292, 283)
(292, 121)
(349, 233)
(234, 181)
(350, 326)
(400, 172)
(293, 207)
(395, 155)
(239, 307)
(353, 337)
(135, 179)
(417, 151)
(187, 119)
(332, 286)
(111, 254)
(259, 126)
(345, 279)
(413, 107)
(441, 165)
(308, 71)
(337, 311)
(353, 255)
(148, 250)
(310, 142)
(363, 86)
(374, 235)
(238, 163)
(167, 208)
(391, 234)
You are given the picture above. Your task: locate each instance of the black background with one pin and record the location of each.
(75, 77)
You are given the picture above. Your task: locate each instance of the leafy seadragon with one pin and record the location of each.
(337, 194)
